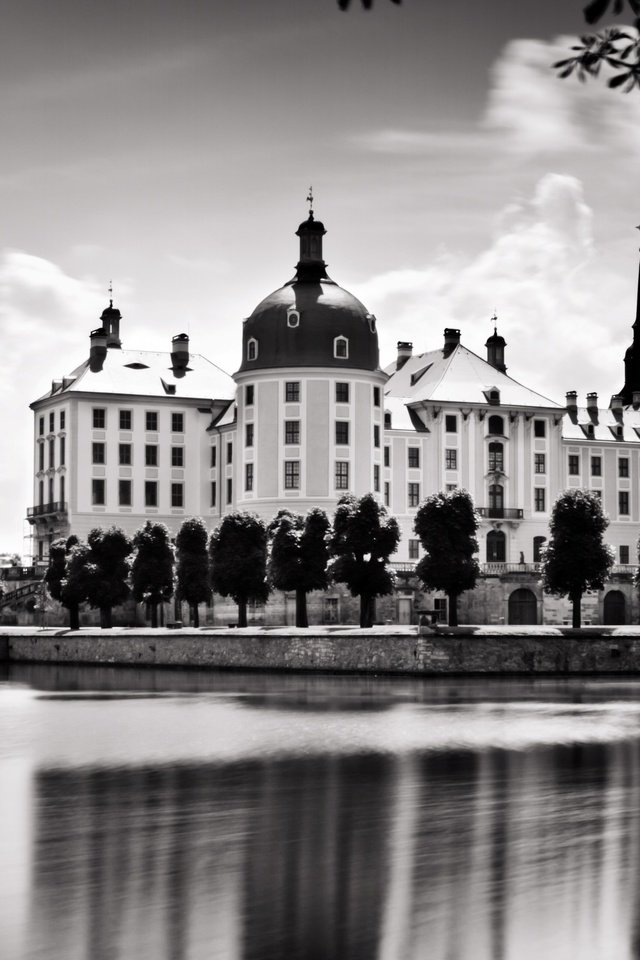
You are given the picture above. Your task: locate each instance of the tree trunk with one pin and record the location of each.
(154, 614)
(366, 610)
(453, 609)
(195, 615)
(74, 616)
(105, 618)
(242, 612)
(301, 609)
(576, 599)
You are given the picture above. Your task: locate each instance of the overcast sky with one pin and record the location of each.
(170, 147)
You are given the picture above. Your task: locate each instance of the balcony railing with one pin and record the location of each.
(498, 568)
(402, 567)
(46, 509)
(501, 513)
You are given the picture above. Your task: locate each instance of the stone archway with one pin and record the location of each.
(614, 608)
(523, 607)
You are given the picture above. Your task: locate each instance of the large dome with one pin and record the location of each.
(310, 321)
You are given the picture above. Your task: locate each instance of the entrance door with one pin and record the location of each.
(523, 607)
(614, 608)
(404, 609)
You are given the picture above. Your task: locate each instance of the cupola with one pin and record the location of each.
(110, 320)
(495, 348)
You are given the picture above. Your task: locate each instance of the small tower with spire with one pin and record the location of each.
(632, 357)
(495, 347)
(311, 266)
(110, 319)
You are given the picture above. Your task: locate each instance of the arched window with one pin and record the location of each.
(538, 543)
(496, 500)
(496, 458)
(341, 348)
(614, 608)
(293, 317)
(372, 322)
(496, 547)
(252, 349)
(496, 425)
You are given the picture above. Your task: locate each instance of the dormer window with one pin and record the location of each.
(492, 394)
(372, 322)
(252, 349)
(293, 317)
(341, 348)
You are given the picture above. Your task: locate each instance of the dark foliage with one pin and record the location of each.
(238, 554)
(446, 524)
(152, 568)
(617, 47)
(576, 558)
(299, 555)
(363, 538)
(193, 566)
(107, 570)
(56, 579)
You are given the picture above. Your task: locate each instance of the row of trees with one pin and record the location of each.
(245, 559)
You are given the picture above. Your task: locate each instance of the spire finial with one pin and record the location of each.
(310, 202)
(494, 321)
(110, 293)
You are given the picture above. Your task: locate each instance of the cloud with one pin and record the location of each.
(401, 142)
(542, 274)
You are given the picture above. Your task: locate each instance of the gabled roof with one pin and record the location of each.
(460, 377)
(146, 373)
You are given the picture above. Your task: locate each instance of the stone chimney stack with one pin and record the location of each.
(572, 402)
(451, 340)
(98, 349)
(592, 406)
(617, 406)
(180, 354)
(405, 352)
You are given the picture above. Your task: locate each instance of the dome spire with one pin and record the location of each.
(311, 267)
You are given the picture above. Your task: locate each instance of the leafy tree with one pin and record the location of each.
(152, 567)
(576, 558)
(446, 524)
(617, 47)
(193, 565)
(56, 579)
(238, 553)
(299, 556)
(107, 569)
(363, 538)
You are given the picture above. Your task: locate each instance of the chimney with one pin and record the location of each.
(616, 406)
(451, 340)
(180, 354)
(592, 406)
(405, 352)
(98, 349)
(636, 399)
(572, 401)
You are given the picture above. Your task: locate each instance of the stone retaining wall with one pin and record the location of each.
(360, 651)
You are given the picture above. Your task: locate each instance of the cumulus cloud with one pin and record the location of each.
(556, 302)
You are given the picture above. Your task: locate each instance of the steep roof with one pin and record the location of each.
(606, 427)
(146, 373)
(460, 377)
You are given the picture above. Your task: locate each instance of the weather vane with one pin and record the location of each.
(494, 321)
(310, 202)
(111, 292)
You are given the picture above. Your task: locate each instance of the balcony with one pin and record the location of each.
(501, 513)
(58, 508)
(501, 569)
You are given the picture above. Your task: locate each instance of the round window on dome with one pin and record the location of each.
(372, 322)
(341, 348)
(293, 318)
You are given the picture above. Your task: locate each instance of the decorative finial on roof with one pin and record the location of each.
(494, 321)
(310, 202)
(110, 293)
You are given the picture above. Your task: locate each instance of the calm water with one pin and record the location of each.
(191, 815)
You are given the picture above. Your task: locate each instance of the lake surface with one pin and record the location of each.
(188, 815)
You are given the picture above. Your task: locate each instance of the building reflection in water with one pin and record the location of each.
(494, 855)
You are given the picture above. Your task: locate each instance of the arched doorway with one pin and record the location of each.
(523, 607)
(614, 608)
(496, 547)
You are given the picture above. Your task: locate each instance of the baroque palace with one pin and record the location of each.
(310, 414)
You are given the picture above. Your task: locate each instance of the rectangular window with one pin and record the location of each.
(292, 474)
(41, 492)
(177, 423)
(50, 490)
(126, 420)
(229, 452)
(248, 434)
(52, 422)
(249, 395)
(330, 609)
(177, 456)
(596, 493)
(413, 494)
(41, 455)
(342, 475)
(214, 493)
(623, 466)
(414, 549)
(387, 493)
(451, 423)
(387, 456)
(451, 459)
(539, 464)
(177, 495)
(496, 457)
(376, 478)
(376, 396)
(376, 435)
(62, 419)
(440, 609)
(539, 499)
(62, 490)
(292, 431)
(539, 428)
(229, 490)
(413, 457)
(99, 418)
(623, 502)
(150, 455)
(624, 554)
(450, 487)
(124, 493)
(342, 432)
(52, 452)
(214, 456)
(574, 464)
(596, 466)
(292, 391)
(97, 492)
(124, 454)
(41, 427)
(248, 476)
(98, 453)
(150, 493)
(151, 421)
(342, 393)
(63, 450)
